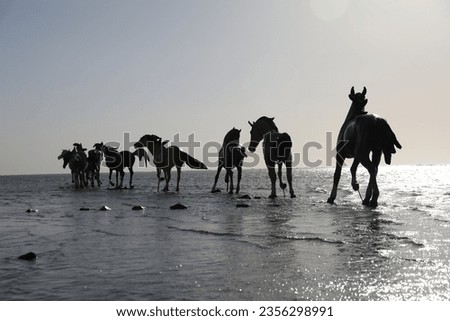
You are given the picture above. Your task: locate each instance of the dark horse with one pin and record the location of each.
(118, 161)
(360, 135)
(165, 158)
(277, 150)
(77, 161)
(231, 155)
(94, 160)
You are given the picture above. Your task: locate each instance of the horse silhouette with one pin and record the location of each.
(360, 135)
(94, 160)
(277, 150)
(77, 161)
(165, 158)
(231, 155)
(118, 161)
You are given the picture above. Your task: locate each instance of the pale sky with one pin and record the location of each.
(90, 71)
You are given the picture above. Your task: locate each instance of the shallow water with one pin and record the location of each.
(283, 249)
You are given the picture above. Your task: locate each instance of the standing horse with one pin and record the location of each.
(118, 161)
(231, 155)
(94, 159)
(360, 135)
(77, 165)
(277, 150)
(165, 158)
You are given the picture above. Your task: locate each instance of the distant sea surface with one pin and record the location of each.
(282, 249)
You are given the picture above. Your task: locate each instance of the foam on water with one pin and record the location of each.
(282, 249)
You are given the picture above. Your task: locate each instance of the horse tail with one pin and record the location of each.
(191, 161)
(141, 153)
(284, 145)
(389, 140)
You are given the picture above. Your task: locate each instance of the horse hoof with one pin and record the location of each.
(366, 203)
(272, 196)
(283, 185)
(373, 204)
(215, 191)
(293, 196)
(330, 201)
(355, 187)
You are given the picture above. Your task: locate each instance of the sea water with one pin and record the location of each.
(273, 249)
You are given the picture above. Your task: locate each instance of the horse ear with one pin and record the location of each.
(240, 130)
(352, 91)
(251, 125)
(272, 118)
(364, 91)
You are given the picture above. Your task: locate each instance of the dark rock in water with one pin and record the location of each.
(242, 205)
(245, 197)
(84, 209)
(257, 197)
(32, 210)
(178, 206)
(30, 256)
(138, 208)
(105, 208)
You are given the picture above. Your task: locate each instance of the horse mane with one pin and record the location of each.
(269, 120)
(232, 135)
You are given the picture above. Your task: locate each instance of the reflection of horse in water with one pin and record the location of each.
(277, 150)
(165, 158)
(231, 155)
(118, 161)
(77, 161)
(360, 135)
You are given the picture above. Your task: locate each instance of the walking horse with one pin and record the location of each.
(360, 135)
(231, 155)
(277, 150)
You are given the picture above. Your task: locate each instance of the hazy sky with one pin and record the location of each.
(89, 71)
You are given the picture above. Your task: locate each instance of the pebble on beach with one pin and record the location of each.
(178, 206)
(30, 256)
(138, 208)
(105, 208)
(32, 210)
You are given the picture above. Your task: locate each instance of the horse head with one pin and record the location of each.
(358, 98)
(66, 155)
(259, 128)
(149, 141)
(98, 146)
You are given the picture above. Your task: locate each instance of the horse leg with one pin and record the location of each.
(365, 161)
(75, 177)
(178, 178)
(239, 176)
(289, 178)
(97, 176)
(353, 169)
(110, 181)
(280, 177)
(230, 176)
(167, 176)
(158, 175)
(131, 176)
(273, 179)
(213, 190)
(376, 158)
(336, 178)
